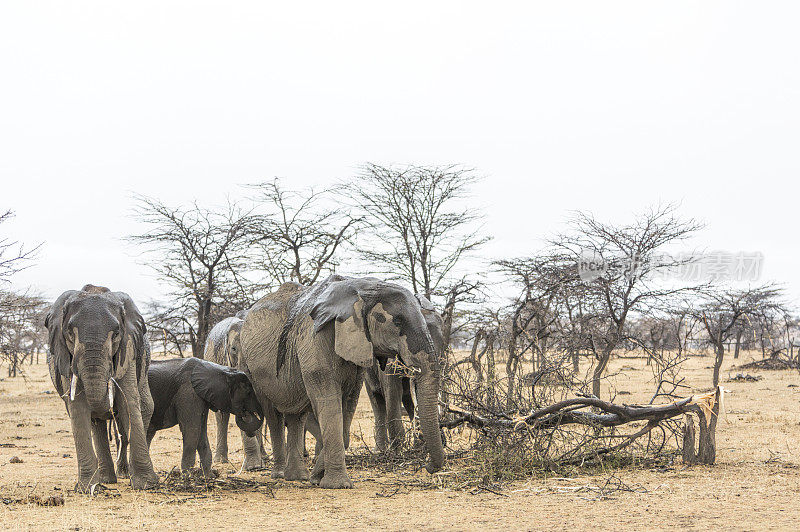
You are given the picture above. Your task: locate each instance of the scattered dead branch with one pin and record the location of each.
(195, 483)
(776, 362)
(745, 377)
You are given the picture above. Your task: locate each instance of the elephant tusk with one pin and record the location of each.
(111, 394)
(73, 387)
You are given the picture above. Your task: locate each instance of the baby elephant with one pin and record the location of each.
(184, 389)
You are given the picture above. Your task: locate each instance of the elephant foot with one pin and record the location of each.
(296, 472)
(336, 482)
(277, 473)
(108, 477)
(144, 481)
(122, 470)
(83, 486)
(253, 463)
(221, 458)
(381, 444)
(209, 475)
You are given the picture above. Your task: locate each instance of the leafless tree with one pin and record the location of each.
(299, 236)
(604, 274)
(460, 299)
(13, 255)
(21, 332)
(201, 254)
(418, 231)
(169, 326)
(722, 311)
(532, 315)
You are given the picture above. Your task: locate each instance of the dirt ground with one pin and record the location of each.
(754, 486)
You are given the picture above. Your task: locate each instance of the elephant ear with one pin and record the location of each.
(434, 322)
(59, 357)
(341, 303)
(132, 346)
(212, 383)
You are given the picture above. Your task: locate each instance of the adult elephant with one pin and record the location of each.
(98, 360)
(306, 348)
(390, 390)
(223, 347)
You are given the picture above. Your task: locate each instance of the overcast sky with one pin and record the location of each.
(601, 106)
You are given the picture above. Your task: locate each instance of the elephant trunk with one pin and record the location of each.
(95, 373)
(428, 406)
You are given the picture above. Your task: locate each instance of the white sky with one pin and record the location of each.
(605, 106)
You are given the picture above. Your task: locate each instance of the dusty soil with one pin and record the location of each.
(755, 484)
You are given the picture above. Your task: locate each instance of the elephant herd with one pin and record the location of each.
(306, 350)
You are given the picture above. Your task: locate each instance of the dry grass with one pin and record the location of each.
(755, 485)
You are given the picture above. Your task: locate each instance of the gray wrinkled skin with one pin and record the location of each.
(98, 358)
(184, 389)
(306, 348)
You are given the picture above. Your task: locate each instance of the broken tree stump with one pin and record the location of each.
(707, 410)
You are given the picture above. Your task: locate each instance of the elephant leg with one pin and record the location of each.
(122, 450)
(296, 468)
(378, 402)
(203, 447)
(312, 426)
(80, 419)
(105, 463)
(221, 452)
(318, 471)
(349, 405)
(252, 453)
(394, 416)
(408, 400)
(191, 438)
(275, 424)
(328, 410)
(410, 407)
(142, 474)
(261, 436)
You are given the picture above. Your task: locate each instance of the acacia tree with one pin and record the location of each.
(532, 313)
(13, 255)
(724, 311)
(298, 237)
(201, 254)
(418, 232)
(21, 333)
(626, 278)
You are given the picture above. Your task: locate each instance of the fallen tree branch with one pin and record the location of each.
(564, 413)
(606, 415)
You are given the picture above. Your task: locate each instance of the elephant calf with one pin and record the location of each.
(184, 389)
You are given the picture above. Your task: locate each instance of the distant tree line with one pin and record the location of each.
(416, 225)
